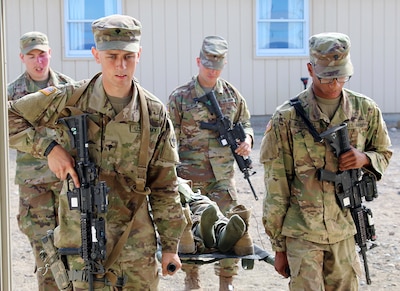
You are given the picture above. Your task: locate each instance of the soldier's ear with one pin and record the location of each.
(310, 69)
(95, 54)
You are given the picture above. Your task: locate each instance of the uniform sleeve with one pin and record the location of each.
(32, 121)
(244, 117)
(164, 198)
(174, 109)
(275, 155)
(377, 145)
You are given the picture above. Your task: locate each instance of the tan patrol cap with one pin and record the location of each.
(33, 40)
(117, 32)
(330, 55)
(213, 52)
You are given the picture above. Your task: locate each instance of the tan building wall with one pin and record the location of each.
(173, 31)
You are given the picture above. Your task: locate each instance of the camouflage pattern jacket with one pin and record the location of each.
(201, 155)
(296, 203)
(30, 170)
(114, 143)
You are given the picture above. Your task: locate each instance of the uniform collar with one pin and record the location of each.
(100, 103)
(218, 88)
(309, 102)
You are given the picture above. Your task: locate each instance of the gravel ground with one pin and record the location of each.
(384, 260)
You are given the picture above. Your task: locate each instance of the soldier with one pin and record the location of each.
(123, 116)
(309, 232)
(207, 227)
(39, 188)
(203, 159)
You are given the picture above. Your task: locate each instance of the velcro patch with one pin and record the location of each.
(47, 91)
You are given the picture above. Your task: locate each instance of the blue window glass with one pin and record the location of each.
(79, 15)
(282, 27)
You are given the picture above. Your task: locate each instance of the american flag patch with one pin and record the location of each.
(47, 91)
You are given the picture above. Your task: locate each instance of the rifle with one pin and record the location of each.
(350, 189)
(228, 134)
(90, 199)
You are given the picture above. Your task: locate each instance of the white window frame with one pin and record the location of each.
(277, 52)
(81, 53)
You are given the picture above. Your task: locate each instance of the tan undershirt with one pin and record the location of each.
(328, 106)
(119, 103)
(42, 84)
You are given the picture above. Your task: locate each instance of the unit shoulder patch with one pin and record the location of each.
(47, 91)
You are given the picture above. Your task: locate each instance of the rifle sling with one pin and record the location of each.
(140, 187)
(295, 102)
(141, 176)
(120, 244)
(78, 92)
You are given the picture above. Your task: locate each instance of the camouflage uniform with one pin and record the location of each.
(198, 203)
(116, 155)
(114, 144)
(300, 212)
(202, 159)
(39, 188)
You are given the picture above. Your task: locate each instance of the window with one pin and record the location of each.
(79, 15)
(282, 27)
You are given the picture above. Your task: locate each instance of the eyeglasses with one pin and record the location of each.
(330, 80)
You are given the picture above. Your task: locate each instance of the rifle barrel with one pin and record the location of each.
(366, 268)
(252, 189)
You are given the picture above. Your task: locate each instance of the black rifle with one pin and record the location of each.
(228, 134)
(90, 199)
(350, 190)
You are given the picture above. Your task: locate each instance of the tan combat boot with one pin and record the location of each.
(192, 280)
(225, 283)
(244, 246)
(186, 243)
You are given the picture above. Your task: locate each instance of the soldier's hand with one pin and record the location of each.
(170, 263)
(61, 163)
(353, 159)
(281, 264)
(244, 148)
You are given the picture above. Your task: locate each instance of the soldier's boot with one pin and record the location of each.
(192, 280)
(229, 234)
(225, 283)
(206, 226)
(186, 243)
(244, 245)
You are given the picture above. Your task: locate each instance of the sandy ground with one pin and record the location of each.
(384, 260)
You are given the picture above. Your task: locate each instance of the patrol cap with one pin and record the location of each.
(330, 55)
(213, 52)
(33, 40)
(117, 32)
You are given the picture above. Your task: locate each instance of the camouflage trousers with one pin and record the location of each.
(38, 213)
(141, 275)
(224, 194)
(329, 267)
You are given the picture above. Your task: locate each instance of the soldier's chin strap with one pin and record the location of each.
(295, 102)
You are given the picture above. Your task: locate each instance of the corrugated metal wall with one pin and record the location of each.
(173, 31)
